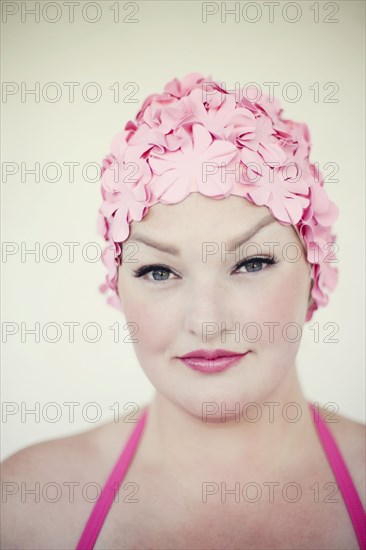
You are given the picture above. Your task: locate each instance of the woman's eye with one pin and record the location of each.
(154, 269)
(255, 264)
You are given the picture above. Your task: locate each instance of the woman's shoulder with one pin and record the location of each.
(350, 434)
(49, 487)
(350, 437)
(69, 453)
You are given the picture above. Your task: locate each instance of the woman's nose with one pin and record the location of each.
(206, 310)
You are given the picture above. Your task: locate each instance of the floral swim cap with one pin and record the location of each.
(198, 137)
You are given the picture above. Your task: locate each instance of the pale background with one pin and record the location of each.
(168, 40)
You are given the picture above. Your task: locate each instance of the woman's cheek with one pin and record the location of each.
(279, 307)
(153, 320)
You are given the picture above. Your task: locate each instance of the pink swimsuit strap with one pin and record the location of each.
(343, 477)
(110, 489)
(341, 473)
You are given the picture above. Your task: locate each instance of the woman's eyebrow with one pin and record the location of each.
(171, 249)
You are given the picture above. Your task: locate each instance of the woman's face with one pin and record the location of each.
(203, 300)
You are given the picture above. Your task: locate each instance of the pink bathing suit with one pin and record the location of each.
(341, 473)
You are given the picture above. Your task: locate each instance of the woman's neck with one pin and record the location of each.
(197, 447)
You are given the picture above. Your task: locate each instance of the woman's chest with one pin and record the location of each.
(267, 514)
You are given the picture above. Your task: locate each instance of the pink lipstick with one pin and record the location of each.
(211, 361)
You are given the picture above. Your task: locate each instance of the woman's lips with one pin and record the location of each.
(212, 365)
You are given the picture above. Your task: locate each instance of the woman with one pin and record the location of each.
(229, 454)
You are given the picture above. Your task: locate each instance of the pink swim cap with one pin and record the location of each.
(198, 137)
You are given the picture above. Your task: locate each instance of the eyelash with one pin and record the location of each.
(268, 260)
